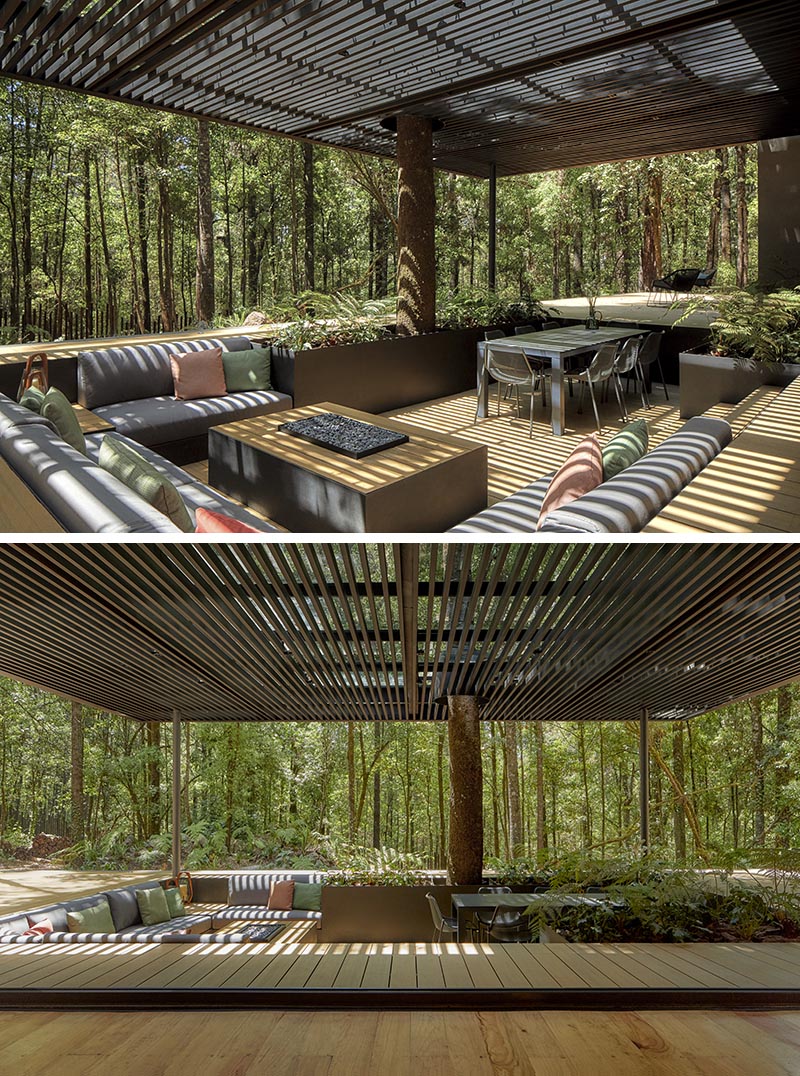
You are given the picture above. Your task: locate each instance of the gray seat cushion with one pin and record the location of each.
(13, 925)
(627, 502)
(180, 926)
(78, 493)
(136, 371)
(193, 492)
(258, 912)
(518, 512)
(159, 420)
(124, 907)
(13, 414)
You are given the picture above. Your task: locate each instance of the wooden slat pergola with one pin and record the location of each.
(519, 87)
(370, 632)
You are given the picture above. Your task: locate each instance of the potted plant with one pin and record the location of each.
(754, 340)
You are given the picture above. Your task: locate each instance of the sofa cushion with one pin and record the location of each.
(37, 930)
(198, 374)
(247, 370)
(153, 906)
(628, 501)
(175, 902)
(80, 495)
(581, 472)
(135, 371)
(124, 905)
(236, 913)
(130, 467)
(13, 925)
(625, 448)
(57, 408)
(307, 896)
(160, 420)
(518, 512)
(13, 415)
(32, 398)
(193, 492)
(249, 889)
(208, 522)
(93, 918)
(280, 896)
(56, 913)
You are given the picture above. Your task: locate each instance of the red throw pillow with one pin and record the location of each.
(581, 472)
(281, 895)
(208, 522)
(198, 374)
(40, 929)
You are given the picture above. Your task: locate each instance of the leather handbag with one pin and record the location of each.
(35, 373)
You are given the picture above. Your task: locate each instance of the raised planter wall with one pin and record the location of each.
(707, 380)
(381, 375)
(382, 913)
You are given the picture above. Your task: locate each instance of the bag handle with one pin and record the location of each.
(35, 373)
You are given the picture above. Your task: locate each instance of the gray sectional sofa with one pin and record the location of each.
(247, 896)
(622, 504)
(129, 387)
(132, 388)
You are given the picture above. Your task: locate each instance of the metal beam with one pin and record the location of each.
(492, 226)
(176, 793)
(644, 779)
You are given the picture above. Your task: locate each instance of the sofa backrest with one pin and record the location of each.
(253, 887)
(124, 906)
(137, 371)
(13, 924)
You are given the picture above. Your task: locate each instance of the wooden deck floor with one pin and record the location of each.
(292, 972)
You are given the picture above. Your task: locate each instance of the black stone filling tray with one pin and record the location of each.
(346, 435)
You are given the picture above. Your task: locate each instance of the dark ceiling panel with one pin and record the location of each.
(311, 632)
(527, 86)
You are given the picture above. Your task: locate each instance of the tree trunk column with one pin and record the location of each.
(176, 793)
(416, 222)
(465, 855)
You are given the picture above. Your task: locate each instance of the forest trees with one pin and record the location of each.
(279, 792)
(115, 219)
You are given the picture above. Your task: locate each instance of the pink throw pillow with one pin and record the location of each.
(581, 472)
(40, 929)
(208, 522)
(281, 895)
(198, 374)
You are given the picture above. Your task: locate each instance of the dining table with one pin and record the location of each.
(559, 347)
(466, 904)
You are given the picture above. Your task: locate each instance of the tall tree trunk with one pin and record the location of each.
(725, 249)
(783, 767)
(712, 243)
(143, 231)
(541, 811)
(88, 282)
(759, 791)
(137, 311)
(76, 828)
(440, 790)
(465, 853)
(742, 241)
(416, 220)
(376, 790)
(107, 259)
(153, 797)
(309, 212)
(204, 279)
(652, 267)
(166, 259)
(351, 781)
(512, 788)
(678, 813)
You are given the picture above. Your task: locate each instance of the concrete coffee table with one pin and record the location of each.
(429, 484)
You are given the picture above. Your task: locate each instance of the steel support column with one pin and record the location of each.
(492, 226)
(176, 792)
(644, 779)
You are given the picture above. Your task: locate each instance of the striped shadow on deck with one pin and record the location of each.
(311, 975)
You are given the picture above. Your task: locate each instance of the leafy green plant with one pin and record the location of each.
(325, 320)
(376, 866)
(755, 326)
(471, 309)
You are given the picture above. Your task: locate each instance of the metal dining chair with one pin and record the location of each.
(510, 925)
(484, 916)
(489, 334)
(521, 330)
(626, 365)
(599, 371)
(650, 356)
(513, 368)
(442, 924)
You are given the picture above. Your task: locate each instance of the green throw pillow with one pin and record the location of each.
(175, 902)
(32, 398)
(153, 906)
(126, 464)
(57, 408)
(307, 896)
(93, 919)
(625, 448)
(246, 370)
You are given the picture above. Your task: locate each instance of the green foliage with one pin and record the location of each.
(376, 866)
(325, 320)
(757, 326)
(472, 308)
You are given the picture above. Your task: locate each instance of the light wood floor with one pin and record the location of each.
(21, 890)
(401, 1043)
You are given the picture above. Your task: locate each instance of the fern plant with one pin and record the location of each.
(755, 326)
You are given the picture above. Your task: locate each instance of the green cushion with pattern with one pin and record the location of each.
(175, 902)
(58, 410)
(307, 896)
(126, 464)
(32, 398)
(246, 370)
(153, 906)
(625, 448)
(93, 919)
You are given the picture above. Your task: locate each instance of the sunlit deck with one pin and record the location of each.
(295, 972)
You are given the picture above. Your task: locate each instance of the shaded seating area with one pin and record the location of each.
(678, 282)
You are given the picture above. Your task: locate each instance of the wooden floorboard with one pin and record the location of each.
(354, 975)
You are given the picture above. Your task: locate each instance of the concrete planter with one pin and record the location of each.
(381, 375)
(706, 380)
(382, 913)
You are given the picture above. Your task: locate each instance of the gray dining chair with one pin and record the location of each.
(442, 924)
(510, 925)
(626, 366)
(521, 330)
(650, 357)
(484, 916)
(513, 368)
(599, 371)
